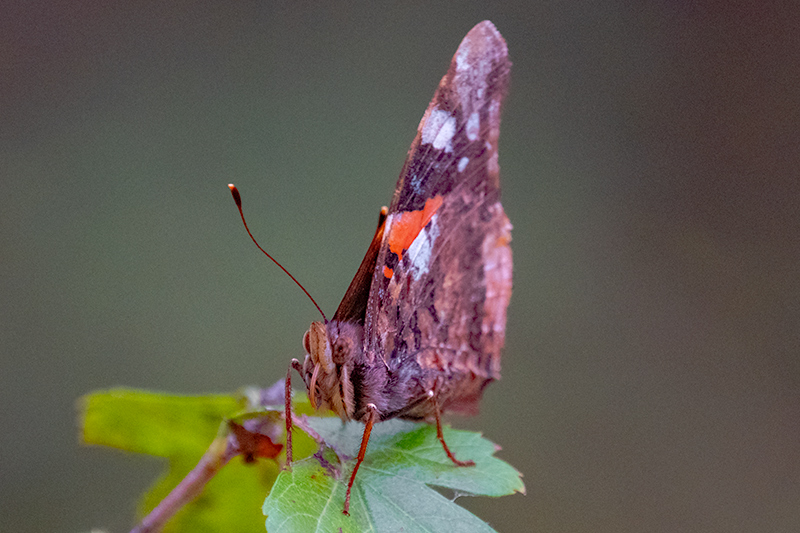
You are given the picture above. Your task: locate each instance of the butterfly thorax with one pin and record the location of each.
(339, 376)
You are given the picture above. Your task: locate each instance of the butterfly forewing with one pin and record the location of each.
(442, 277)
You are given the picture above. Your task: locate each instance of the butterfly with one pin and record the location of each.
(421, 326)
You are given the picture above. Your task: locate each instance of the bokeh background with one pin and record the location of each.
(650, 165)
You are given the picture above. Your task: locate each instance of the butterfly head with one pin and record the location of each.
(331, 351)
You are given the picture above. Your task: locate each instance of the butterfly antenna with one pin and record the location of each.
(238, 199)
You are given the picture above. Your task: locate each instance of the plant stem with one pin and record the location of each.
(218, 454)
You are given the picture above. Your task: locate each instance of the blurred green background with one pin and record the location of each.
(650, 165)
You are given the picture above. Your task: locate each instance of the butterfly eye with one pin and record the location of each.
(307, 342)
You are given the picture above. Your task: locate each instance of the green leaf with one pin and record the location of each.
(158, 424)
(181, 428)
(392, 491)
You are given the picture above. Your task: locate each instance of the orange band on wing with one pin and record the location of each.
(388, 272)
(407, 225)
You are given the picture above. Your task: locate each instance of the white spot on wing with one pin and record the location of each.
(433, 124)
(420, 252)
(462, 163)
(473, 126)
(492, 165)
(439, 129)
(494, 111)
(462, 57)
(444, 139)
(494, 119)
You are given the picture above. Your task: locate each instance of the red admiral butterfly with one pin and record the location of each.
(421, 326)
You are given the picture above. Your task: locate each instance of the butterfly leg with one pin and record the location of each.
(373, 416)
(296, 365)
(440, 434)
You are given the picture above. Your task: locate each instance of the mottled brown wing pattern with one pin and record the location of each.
(421, 326)
(442, 278)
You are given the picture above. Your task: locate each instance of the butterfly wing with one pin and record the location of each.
(354, 303)
(442, 274)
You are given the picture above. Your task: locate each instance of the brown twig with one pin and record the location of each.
(252, 439)
(219, 453)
